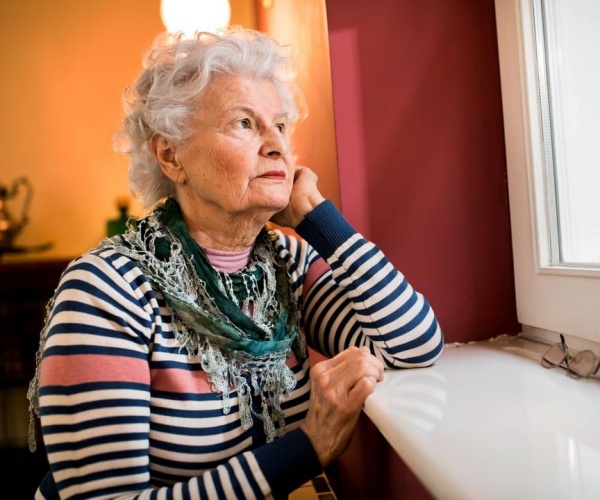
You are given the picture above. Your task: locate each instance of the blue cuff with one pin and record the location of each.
(325, 229)
(288, 462)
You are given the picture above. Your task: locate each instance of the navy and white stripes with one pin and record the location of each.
(127, 413)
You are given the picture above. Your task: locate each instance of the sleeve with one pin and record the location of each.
(95, 399)
(359, 298)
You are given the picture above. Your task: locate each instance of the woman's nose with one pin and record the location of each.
(274, 144)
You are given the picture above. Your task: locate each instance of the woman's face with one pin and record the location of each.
(238, 159)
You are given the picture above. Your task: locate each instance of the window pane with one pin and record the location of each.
(569, 71)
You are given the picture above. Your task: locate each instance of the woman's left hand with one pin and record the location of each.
(304, 197)
(338, 389)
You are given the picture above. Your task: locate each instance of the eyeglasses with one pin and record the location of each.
(582, 365)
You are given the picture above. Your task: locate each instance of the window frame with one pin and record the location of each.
(550, 298)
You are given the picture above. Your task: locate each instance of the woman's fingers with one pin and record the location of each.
(339, 387)
(304, 197)
(348, 368)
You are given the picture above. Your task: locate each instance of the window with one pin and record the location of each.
(568, 74)
(555, 227)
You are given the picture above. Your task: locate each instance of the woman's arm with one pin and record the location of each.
(359, 299)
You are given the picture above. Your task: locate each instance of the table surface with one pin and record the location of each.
(487, 421)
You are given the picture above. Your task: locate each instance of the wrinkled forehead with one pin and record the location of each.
(226, 93)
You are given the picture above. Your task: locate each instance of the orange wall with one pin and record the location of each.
(64, 66)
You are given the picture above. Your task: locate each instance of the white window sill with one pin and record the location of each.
(488, 421)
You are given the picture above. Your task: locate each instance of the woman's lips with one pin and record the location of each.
(274, 174)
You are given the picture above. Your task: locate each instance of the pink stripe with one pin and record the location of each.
(196, 382)
(315, 271)
(85, 368)
(291, 361)
(177, 380)
(82, 368)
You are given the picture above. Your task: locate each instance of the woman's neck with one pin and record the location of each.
(225, 232)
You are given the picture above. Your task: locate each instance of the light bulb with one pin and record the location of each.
(190, 16)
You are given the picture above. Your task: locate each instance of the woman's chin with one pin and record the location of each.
(277, 204)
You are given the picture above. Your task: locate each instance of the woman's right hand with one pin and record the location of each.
(304, 197)
(339, 387)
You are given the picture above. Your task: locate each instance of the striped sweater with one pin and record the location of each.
(126, 413)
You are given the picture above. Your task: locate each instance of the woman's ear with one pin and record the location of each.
(164, 151)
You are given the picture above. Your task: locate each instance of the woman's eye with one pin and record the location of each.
(280, 127)
(245, 123)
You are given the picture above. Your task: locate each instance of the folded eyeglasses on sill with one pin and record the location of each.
(583, 364)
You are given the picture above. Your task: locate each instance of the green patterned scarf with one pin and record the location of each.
(234, 329)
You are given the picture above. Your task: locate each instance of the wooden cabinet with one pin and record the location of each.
(25, 289)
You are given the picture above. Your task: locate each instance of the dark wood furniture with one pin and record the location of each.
(25, 288)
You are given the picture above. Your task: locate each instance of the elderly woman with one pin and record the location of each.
(174, 359)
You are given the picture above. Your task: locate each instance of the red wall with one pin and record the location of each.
(419, 131)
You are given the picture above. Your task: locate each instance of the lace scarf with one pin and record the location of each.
(242, 326)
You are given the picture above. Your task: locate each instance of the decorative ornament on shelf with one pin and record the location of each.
(119, 225)
(10, 226)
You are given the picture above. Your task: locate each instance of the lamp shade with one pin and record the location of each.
(190, 16)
